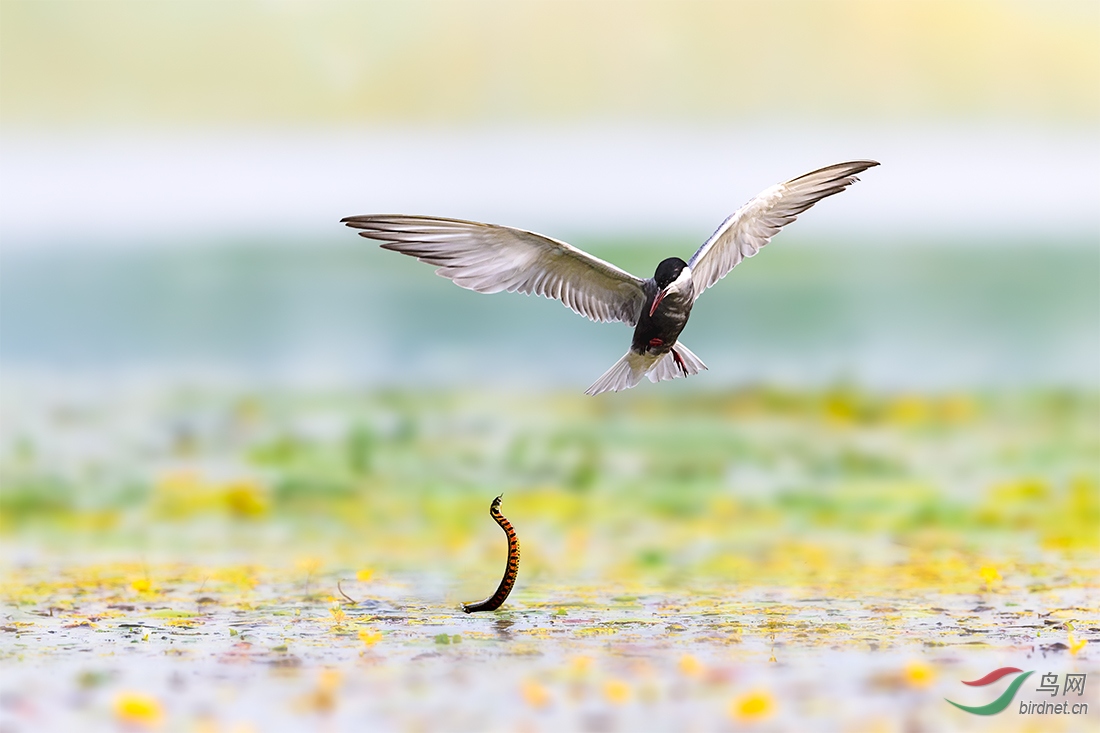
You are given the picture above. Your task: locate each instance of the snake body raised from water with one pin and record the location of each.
(511, 569)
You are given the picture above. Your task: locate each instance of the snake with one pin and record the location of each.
(511, 569)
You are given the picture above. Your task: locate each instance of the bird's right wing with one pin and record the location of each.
(489, 258)
(754, 224)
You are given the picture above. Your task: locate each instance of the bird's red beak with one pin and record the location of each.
(657, 301)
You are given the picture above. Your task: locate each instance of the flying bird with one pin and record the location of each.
(490, 258)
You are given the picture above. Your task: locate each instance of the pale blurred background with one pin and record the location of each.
(173, 175)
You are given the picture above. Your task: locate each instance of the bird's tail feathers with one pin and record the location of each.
(624, 374)
(630, 369)
(668, 368)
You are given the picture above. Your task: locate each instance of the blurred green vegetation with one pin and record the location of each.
(754, 484)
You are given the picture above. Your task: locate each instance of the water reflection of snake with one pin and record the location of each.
(511, 570)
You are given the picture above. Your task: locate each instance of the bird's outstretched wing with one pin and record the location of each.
(754, 224)
(490, 258)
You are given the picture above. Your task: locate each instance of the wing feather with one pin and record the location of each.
(489, 258)
(754, 224)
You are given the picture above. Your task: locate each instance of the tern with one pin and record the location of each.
(490, 258)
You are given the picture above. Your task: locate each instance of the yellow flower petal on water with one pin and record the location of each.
(908, 409)
(535, 694)
(989, 574)
(142, 585)
(580, 665)
(370, 637)
(617, 692)
(1076, 645)
(919, 674)
(690, 666)
(840, 408)
(958, 408)
(754, 705)
(329, 679)
(324, 698)
(338, 615)
(137, 709)
(364, 575)
(244, 499)
(186, 623)
(308, 565)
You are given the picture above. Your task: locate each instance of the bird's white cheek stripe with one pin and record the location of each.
(682, 281)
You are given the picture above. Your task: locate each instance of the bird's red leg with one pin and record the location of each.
(676, 356)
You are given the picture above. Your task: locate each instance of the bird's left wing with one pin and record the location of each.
(754, 224)
(490, 258)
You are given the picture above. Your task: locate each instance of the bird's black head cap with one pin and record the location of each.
(668, 271)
